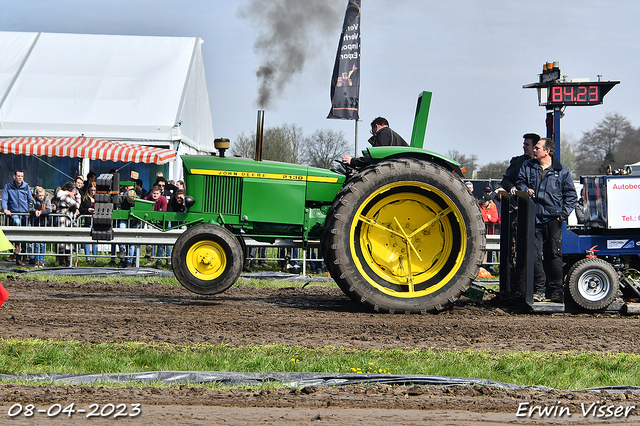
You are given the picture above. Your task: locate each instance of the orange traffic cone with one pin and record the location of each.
(483, 273)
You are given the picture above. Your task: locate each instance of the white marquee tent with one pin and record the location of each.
(140, 90)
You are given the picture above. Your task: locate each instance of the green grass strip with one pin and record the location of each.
(557, 370)
(83, 279)
(168, 281)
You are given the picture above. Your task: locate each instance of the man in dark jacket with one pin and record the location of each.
(176, 203)
(382, 135)
(16, 199)
(509, 179)
(550, 186)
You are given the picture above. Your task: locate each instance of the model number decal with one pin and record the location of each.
(279, 176)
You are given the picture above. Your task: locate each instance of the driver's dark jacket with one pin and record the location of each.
(383, 137)
(554, 193)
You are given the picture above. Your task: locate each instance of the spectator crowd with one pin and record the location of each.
(73, 204)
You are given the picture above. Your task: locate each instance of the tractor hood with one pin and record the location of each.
(245, 167)
(320, 185)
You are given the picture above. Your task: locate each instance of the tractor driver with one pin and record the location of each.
(382, 135)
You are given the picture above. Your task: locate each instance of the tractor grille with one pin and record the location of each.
(222, 195)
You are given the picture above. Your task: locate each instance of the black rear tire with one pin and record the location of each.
(207, 259)
(593, 283)
(373, 217)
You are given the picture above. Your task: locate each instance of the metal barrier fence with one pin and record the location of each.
(492, 256)
(54, 233)
(78, 235)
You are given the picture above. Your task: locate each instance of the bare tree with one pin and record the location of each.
(243, 146)
(494, 170)
(282, 143)
(324, 146)
(597, 147)
(470, 163)
(296, 141)
(628, 150)
(567, 151)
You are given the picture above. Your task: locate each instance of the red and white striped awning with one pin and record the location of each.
(94, 149)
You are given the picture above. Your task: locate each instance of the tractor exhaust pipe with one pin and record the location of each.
(259, 133)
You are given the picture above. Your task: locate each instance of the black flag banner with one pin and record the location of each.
(345, 83)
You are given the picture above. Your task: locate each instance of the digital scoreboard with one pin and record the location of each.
(573, 94)
(556, 92)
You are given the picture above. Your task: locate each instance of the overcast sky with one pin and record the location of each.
(474, 56)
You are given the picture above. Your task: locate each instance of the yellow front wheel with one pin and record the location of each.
(207, 259)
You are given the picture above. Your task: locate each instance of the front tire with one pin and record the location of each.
(404, 236)
(593, 284)
(207, 259)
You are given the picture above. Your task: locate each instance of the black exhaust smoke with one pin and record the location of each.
(288, 32)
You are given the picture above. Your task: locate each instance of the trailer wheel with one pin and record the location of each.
(207, 259)
(404, 236)
(593, 283)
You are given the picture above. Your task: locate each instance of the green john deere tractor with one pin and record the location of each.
(403, 235)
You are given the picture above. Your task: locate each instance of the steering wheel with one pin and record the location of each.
(349, 170)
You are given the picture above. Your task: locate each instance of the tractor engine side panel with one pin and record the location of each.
(273, 201)
(323, 185)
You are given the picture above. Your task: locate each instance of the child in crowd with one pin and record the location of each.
(40, 209)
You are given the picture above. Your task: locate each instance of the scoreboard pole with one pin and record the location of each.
(555, 134)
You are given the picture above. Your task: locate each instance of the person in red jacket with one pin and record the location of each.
(155, 195)
(489, 213)
(490, 217)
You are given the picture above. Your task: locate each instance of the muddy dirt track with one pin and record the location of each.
(310, 316)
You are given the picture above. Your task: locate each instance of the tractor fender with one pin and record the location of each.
(382, 153)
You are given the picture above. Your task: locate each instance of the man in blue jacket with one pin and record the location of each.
(16, 199)
(550, 186)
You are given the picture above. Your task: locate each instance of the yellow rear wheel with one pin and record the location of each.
(407, 235)
(404, 236)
